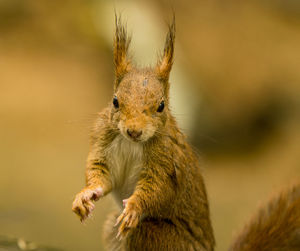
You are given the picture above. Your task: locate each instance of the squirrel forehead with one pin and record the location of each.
(140, 87)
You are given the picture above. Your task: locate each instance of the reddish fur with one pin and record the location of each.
(164, 66)
(276, 227)
(121, 45)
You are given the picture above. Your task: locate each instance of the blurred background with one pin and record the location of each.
(235, 92)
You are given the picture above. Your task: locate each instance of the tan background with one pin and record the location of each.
(235, 91)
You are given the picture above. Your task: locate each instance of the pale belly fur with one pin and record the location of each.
(125, 163)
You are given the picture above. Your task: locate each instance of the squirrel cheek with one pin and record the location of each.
(121, 126)
(149, 131)
(115, 116)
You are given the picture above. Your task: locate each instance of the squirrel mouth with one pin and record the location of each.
(132, 139)
(135, 140)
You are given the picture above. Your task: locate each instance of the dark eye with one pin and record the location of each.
(161, 106)
(116, 102)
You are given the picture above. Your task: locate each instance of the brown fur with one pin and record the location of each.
(157, 171)
(164, 66)
(276, 227)
(121, 45)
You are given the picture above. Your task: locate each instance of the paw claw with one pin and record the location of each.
(120, 218)
(127, 221)
(83, 204)
(119, 236)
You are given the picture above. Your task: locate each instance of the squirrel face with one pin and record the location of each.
(139, 107)
(140, 102)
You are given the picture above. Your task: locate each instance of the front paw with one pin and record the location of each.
(83, 204)
(128, 220)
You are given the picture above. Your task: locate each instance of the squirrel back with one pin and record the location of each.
(275, 227)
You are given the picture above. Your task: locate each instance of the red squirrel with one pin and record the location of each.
(138, 153)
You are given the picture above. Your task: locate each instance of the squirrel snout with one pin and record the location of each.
(134, 134)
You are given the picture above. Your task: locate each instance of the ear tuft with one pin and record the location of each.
(164, 65)
(121, 45)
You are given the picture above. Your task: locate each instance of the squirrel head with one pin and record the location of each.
(140, 106)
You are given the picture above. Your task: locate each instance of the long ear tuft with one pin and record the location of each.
(121, 45)
(164, 65)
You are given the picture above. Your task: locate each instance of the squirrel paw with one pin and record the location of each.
(128, 219)
(83, 205)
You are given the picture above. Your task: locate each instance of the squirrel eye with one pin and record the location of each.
(161, 106)
(116, 102)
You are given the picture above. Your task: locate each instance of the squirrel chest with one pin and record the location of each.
(125, 160)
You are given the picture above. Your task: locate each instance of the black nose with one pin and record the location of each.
(134, 134)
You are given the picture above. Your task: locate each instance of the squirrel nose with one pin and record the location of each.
(134, 134)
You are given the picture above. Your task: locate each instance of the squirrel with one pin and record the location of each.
(138, 153)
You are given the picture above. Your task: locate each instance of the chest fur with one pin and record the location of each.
(125, 160)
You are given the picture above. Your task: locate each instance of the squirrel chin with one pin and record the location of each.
(134, 140)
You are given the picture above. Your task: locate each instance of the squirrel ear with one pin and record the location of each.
(164, 65)
(121, 44)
